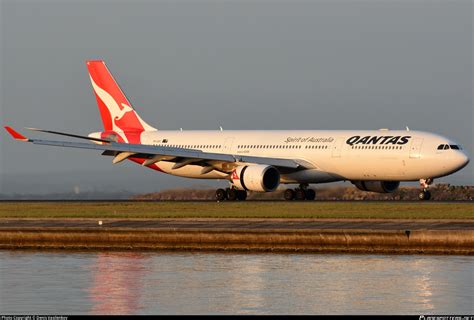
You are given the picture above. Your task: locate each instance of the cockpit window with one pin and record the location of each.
(449, 146)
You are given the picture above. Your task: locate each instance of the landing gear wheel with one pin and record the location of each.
(424, 195)
(310, 194)
(232, 194)
(289, 194)
(220, 195)
(300, 194)
(241, 195)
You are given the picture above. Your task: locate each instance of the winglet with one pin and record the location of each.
(15, 134)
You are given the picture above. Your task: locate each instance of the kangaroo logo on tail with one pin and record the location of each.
(115, 110)
(122, 112)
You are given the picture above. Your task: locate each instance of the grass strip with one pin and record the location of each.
(265, 209)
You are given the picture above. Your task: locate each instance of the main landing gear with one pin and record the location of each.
(425, 194)
(230, 194)
(301, 193)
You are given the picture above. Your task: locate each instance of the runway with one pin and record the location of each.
(243, 235)
(241, 224)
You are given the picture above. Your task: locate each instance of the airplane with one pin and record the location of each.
(261, 161)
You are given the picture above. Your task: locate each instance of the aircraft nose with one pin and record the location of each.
(461, 160)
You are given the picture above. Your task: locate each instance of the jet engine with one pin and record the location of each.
(377, 186)
(256, 178)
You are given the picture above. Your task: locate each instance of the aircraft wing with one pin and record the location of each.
(152, 154)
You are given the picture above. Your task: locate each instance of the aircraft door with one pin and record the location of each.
(228, 145)
(415, 148)
(337, 148)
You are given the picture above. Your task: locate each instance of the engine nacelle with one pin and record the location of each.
(256, 178)
(377, 186)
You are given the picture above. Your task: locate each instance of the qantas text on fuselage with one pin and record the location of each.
(256, 160)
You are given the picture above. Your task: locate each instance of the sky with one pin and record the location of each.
(237, 64)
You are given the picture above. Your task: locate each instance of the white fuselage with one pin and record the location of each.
(331, 155)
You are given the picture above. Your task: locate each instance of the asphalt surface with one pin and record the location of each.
(238, 224)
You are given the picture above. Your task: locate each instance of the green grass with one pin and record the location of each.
(278, 209)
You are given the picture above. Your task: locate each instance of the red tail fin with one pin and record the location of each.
(115, 110)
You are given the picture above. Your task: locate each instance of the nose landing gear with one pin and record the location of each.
(425, 194)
